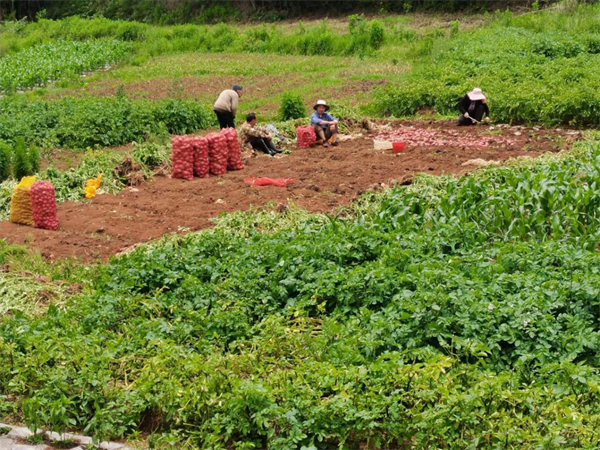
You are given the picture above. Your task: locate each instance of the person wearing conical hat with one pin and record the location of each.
(473, 107)
(324, 124)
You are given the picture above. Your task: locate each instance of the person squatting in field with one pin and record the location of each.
(226, 106)
(256, 137)
(324, 124)
(473, 107)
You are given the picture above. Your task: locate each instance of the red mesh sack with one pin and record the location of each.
(201, 167)
(182, 158)
(306, 136)
(234, 161)
(43, 205)
(218, 153)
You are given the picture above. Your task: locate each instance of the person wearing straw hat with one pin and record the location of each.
(473, 107)
(324, 124)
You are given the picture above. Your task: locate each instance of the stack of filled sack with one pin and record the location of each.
(33, 203)
(198, 156)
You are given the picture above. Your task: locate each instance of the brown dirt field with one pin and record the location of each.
(325, 179)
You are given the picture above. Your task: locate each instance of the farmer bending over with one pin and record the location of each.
(325, 124)
(472, 107)
(226, 106)
(256, 137)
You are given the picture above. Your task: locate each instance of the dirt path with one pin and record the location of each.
(325, 180)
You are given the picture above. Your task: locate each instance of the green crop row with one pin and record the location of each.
(363, 38)
(45, 63)
(89, 122)
(535, 68)
(407, 322)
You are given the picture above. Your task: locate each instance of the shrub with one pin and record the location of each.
(34, 158)
(5, 157)
(292, 107)
(21, 159)
(88, 122)
(376, 34)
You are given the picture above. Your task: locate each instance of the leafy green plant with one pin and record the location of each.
(88, 122)
(151, 154)
(21, 161)
(420, 300)
(48, 62)
(376, 34)
(292, 107)
(5, 161)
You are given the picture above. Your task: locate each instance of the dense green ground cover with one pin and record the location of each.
(194, 11)
(91, 121)
(44, 63)
(450, 314)
(363, 37)
(538, 67)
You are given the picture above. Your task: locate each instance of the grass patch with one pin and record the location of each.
(418, 301)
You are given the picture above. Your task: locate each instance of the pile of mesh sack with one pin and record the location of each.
(195, 156)
(33, 203)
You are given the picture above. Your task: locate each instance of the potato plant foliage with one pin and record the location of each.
(539, 67)
(451, 314)
(52, 61)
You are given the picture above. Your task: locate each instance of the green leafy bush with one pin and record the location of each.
(88, 122)
(476, 296)
(151, 154)
(532, 70)
(21, 160)
(376, 34)
(44, 63)
(5, 161)
(292, 107)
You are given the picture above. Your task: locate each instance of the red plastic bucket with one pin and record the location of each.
(398, 147)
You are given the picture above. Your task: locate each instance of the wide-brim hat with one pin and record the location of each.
(476, 94)
(321, 103)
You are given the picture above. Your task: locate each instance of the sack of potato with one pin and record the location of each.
(20, 202)
(33, 203)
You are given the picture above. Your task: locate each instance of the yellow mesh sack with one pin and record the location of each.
(20, 203)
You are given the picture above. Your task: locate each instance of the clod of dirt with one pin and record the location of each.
(74, 288)
(129, 172)
(41, 280)
(480, 162)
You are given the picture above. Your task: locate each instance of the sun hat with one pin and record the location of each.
(321, 103)
(237, 87)
(476, 94)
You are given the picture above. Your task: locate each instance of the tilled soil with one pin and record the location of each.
(325, 179)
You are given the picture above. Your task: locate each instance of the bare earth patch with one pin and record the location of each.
(325, 179)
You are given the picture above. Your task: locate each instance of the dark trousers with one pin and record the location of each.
(225, 119)
(264, 145)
